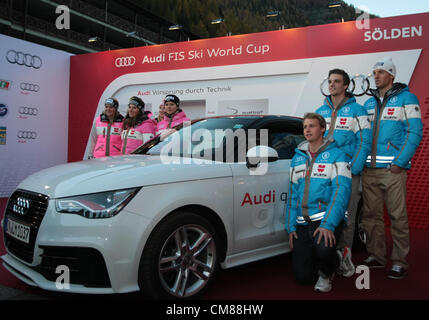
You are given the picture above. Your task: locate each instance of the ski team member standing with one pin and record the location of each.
(349, 125)
(319, 192)
(173, 115)
(397, 132)
(161, 113)
(137, 127)
(106, 133)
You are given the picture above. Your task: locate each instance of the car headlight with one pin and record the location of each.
(96, 205)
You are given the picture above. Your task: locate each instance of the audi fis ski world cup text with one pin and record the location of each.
(250, 49)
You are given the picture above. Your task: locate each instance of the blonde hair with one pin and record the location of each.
(313, 115)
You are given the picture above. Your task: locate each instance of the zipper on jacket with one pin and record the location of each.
(335, 196)
(109, 128)
(304, 204)
(334, 116)
(290, 195)
(361, 142)
(377, 117)
(124, 148)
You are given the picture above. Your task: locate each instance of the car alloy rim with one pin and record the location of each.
(187, 261)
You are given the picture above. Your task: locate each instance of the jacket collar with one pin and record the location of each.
(304, 147)
(119, 117)
(350, 99)
(396, 88)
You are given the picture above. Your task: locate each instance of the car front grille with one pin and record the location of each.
(27, 208)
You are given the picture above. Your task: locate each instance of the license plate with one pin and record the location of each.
(18, 231)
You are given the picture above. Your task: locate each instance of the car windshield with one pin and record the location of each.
(203, 139)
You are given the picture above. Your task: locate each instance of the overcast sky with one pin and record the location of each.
(389, 8)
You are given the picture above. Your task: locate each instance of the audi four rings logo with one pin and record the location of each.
(27, 135)
(28, 111)
(21, 206)
(29, 87)
(362, 79)
(23, 59)
(125, 62)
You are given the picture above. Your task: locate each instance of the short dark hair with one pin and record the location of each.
(346, 78)
(313, 115)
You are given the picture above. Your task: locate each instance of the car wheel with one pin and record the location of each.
(359, 241)
(180, 258)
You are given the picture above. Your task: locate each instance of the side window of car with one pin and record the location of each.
(285, 143)
(284, 137)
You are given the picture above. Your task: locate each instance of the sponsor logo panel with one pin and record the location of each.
(3, 135)
(29, 87)
(5, 84)
(24, 59)
(3, 109)
(26, 135)
(125, 62)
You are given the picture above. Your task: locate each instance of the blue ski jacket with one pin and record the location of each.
(319, 187)
(350, 127)
(396, 126)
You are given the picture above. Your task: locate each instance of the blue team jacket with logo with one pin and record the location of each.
(350, 127)
(397, 127)
(319, 187)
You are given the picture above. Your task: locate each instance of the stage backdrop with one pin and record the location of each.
(34, 92)
(276, 72)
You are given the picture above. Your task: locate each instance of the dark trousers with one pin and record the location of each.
(309, 259)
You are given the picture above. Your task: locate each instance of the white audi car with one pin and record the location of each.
(161, 220)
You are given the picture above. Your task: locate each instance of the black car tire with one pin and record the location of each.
(180, 258)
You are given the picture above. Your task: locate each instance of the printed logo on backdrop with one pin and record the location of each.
(125, 62)
(243, 107)
(143, 93)
(29, 87)
(25, 112)
(4, 84)
(24, 136)
(24, 59)
(234, 110)
(3, 135)
(3, 110)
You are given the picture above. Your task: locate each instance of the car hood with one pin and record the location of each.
(114, 173)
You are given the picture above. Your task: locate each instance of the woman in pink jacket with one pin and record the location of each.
(137, 127)
(173, 115)
(106, 134)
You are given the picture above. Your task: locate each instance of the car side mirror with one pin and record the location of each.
(260, 154)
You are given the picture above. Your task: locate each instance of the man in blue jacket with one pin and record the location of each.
(349, 125)
(397, 132)
(319, 191)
